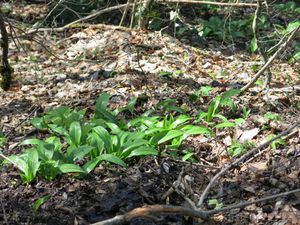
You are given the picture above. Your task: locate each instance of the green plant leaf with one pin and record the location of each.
(38, 203)
(187, 156)
(38, 123)
(33, 141)
(77, 153)
(179, 120)
(49, 169)
(253, 44)
(171, 135)
(292, 26)
(229, 94)
(31, 167)
(19, 162)
(106, 138)
(144, 150)
(75, 133)
(193, 130)
(90, 165)
(102, 110)
(272, 116)
(205, 90)
(58, 129)
(213, 108)
(70, 168)
(225, 124)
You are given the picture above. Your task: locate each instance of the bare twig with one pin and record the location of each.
(132, 19)
(125, 12)
(271, 59)
(260, 47)
(208, 3)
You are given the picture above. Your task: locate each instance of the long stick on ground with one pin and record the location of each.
(153, 210)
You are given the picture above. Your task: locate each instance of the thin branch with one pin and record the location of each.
(271, 59)
(208, 3)
(241, 159)
(124, 13)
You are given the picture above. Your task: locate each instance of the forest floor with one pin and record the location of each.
(75, 67)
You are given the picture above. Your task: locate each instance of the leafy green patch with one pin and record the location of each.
(78, 143)
(237, 149)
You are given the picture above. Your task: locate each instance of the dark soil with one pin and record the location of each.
(106, 193)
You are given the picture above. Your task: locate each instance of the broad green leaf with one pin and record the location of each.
(19, 162)
(171, 135)
(193, 130)
(70, 168)
(205, 90)
(180, 120)
(187, 156)
(228, 94)
(31, 167)
(77, 153)
(239, 121)
(144, 150)
(58, 129)
(155, 130)
(49, 169)
(33, 141)
(38, 203)
(201, 115)
(225, 124)
(253, 44)
(131, 104)
(95, 141)
(292, 26)
(113, 127)
(113, 159)
(105, 136)
(102, 110)
(38, 123)
(75, 133)
(213, 108)
(221, 117)
(90, 165)
(155, 139)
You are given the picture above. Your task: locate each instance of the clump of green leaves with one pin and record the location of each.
(237, 149)
(272, 116)
(215, 203)
(214, 109)
(277, 143)
(78, 143)
(39, 202)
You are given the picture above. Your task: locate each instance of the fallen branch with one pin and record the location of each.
(271, 59)
(148, 212)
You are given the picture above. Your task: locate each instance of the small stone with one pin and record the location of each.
(206, 65)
